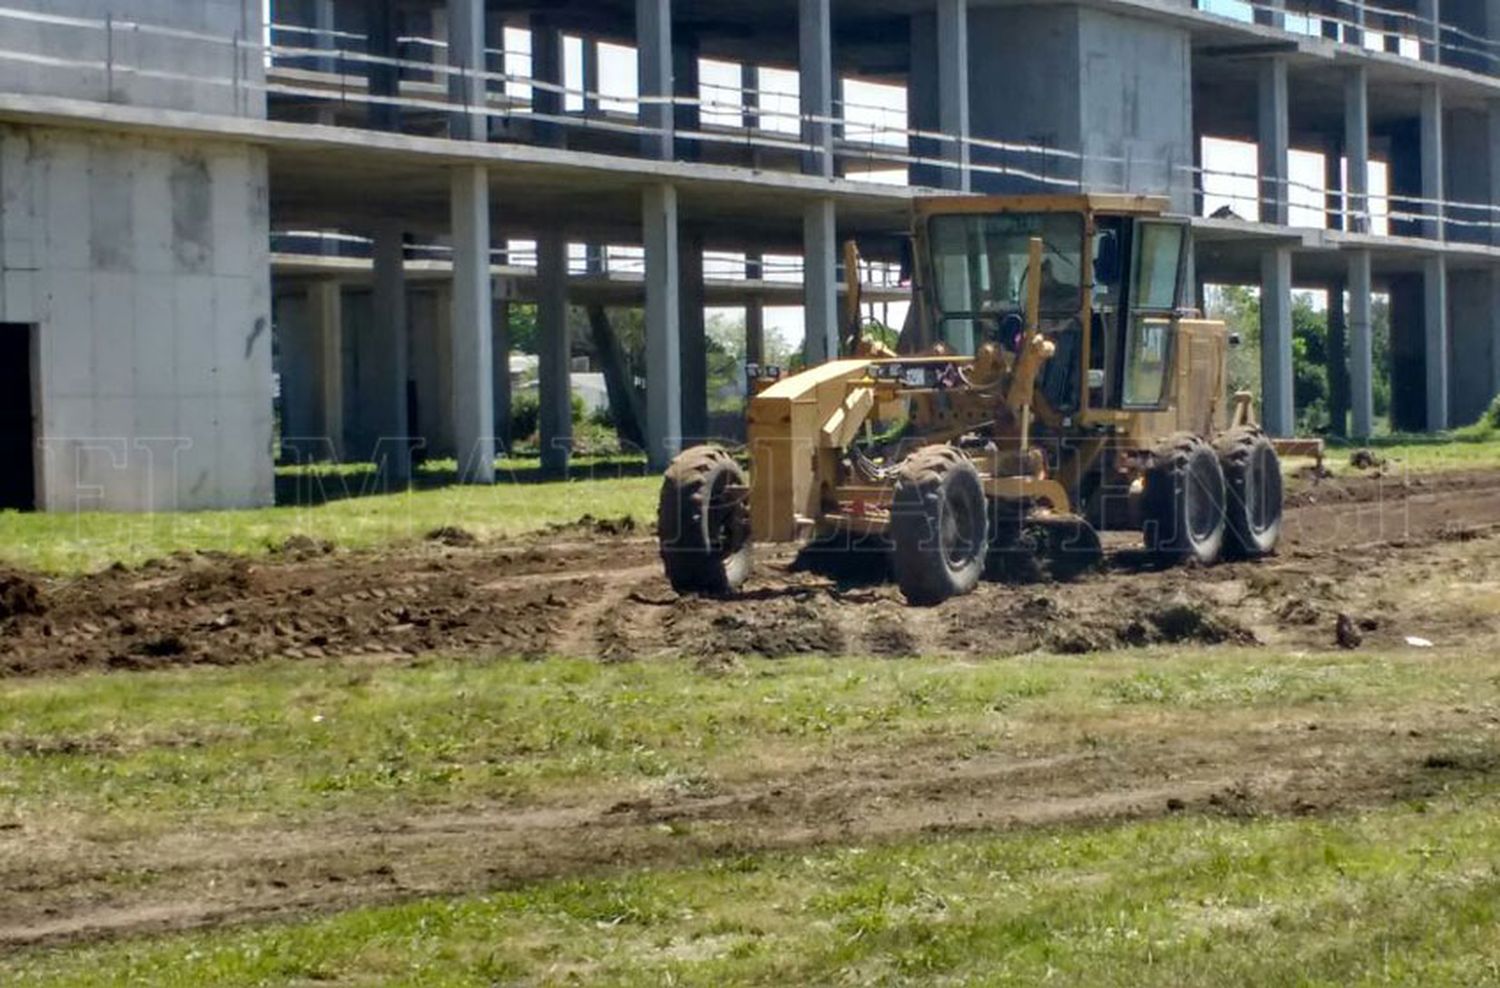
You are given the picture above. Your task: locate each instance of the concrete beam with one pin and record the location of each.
(1432, 161)
(1357, 149)
(953, 90)
(1435, 337)
(663, 336)
(325, 303)
(653, 34)
(820, 281)
(815, 61)
(1361, 347)
(1274, 136)
(472, 331)
(385, 408)
(694, 339)
(1278, 412)
(466, 53)
(554, 364)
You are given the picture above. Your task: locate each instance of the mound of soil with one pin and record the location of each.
(19, 596)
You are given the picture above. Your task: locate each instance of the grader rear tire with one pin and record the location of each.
(704, 526)
(1252, 476)
(1185, 497)
(939, 526)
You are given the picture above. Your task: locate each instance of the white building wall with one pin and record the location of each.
(144, 263)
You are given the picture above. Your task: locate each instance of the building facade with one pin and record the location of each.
(218, 209)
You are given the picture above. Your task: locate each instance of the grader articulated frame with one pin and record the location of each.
(1054, 384)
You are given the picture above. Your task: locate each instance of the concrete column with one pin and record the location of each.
(466, 53)
(471, 326)
(1492, 32)
(750, 95)
(1333, 184)
(1277, 410)
(385, 79)
(554, 370)
(1492, 142)
(815, 48)
(385, 410)
(591, 77)
(593, 259)
(953, 90)
(1274, 137)
(547, 69)
(694, 339)
(1357, 149)
(820, 281)
(1429, 30)
(663, 350)
(1338, 360)
(500, 353)
(755, 314)
(325, 303)
(1495, 332)
(1361, 347)
(326, 24)
(1432, 161)
(1435, 335)
(687, 117)
(1354, 31)
(653, 34)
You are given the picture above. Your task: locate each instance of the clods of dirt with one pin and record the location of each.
(19, 596)
(454, 537)
(1365, 459)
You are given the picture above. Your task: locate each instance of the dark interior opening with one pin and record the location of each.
(17, 422)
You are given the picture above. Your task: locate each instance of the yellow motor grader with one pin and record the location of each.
(1054, 383)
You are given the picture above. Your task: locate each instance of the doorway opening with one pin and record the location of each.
(17, 419)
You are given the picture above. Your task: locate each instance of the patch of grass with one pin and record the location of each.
(1465, 449)
(210, 746)
(1397, 896)
(85, 541)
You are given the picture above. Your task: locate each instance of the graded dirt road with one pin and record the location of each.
(1380, 550)
(1397, 559)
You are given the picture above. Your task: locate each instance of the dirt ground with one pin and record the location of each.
(1374, 549)
(1394, 558)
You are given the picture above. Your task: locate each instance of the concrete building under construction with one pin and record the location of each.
(202, 198)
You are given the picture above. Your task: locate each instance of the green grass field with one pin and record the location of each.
(1403, 891)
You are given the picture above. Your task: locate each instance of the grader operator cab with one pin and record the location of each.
(1055, 383)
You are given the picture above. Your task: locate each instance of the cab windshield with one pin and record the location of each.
(980, 271)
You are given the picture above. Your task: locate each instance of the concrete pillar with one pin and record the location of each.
(500, 354)
(1333, 184)
(554, 364)
(1338, 360)
(815, 59)
(385, 78)
(1274, 137)
(820, 281)
(755, 314)
(591, 77)
(1357, 149)
(325, 303)
(325, 23)
(593, 260)
(1277, 410)
(1492, 32)
(471, 326)
(1492, 143)
(1494, 333)
(385, 408)
(1429, 30)
(1361, 347)
(1435, 334)
(694, 339)
(1354, 30)
(663, 351)
(653, 34)
(953, 90)
(1432, 161)
(466, 55)
(548, 78)
(687, 116)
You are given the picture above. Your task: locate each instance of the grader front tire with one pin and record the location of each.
(1252, 476)
(939, 526)
(703, 523)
